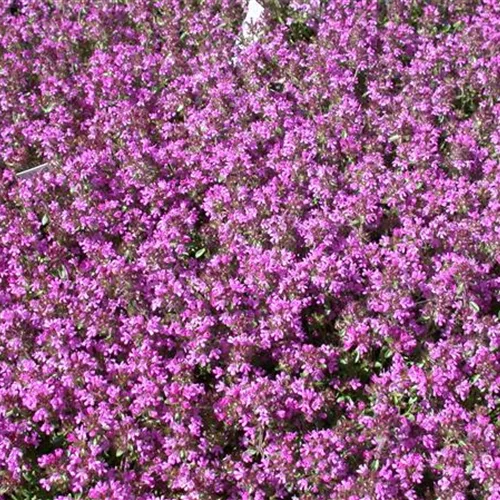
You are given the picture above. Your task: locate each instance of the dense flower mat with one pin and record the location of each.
(261, 269)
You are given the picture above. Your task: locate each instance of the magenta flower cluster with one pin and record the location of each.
(259, 267)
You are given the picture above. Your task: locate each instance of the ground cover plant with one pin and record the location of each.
(260, 268)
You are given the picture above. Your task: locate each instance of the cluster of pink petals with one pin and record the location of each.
(261, 267)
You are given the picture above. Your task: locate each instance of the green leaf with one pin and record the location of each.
(394, 138)
(386, 352)
(200, 253)
(119, 452)
(474, 306)
(45, 220)
(49, 108)
(63, 273)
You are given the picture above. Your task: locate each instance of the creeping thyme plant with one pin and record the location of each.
(261, 266)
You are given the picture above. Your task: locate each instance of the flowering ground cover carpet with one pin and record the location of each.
(261, 260)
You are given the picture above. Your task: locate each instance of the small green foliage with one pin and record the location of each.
(63, 273)
(301, 32)
(415, 14)
(466, 102)
(200, 253)
(49, 108)
(474, 306)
